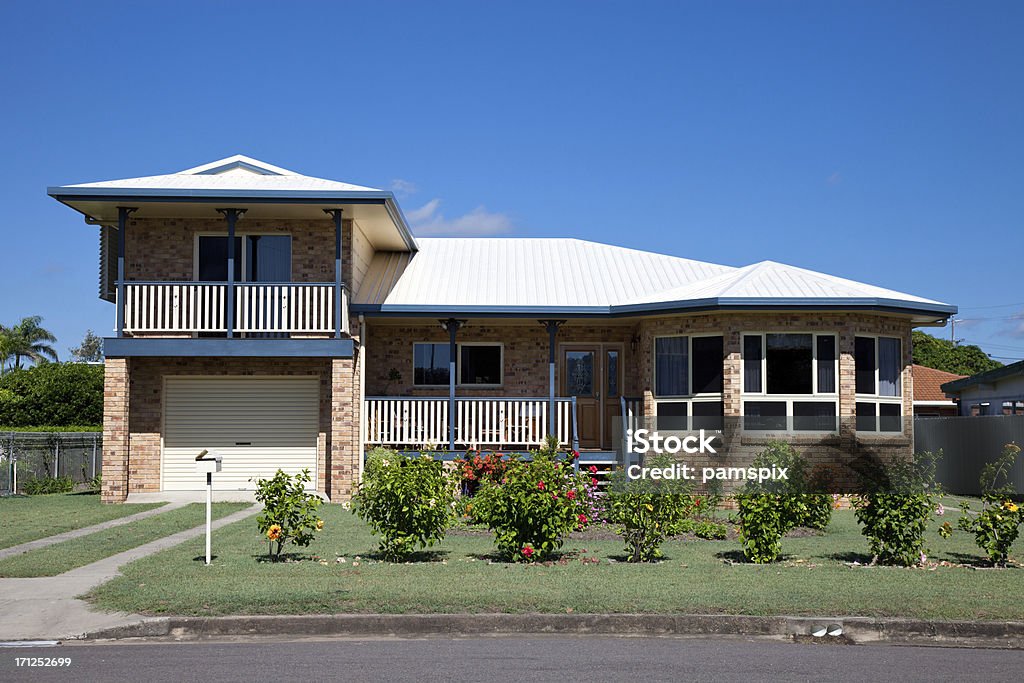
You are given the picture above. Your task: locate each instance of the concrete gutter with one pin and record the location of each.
(845, 630)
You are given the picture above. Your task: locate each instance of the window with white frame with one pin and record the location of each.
(688, 381)
(790, 382)
(476, 364)
(878, 363)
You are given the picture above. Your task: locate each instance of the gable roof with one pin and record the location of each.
(533, 276)
(987, 377)
(928, 383)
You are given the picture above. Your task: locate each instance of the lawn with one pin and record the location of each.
(27, 518)
(462, 575)
(77, 552)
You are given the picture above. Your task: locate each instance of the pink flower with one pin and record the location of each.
(540, 485)
(592, 469)
(554, 496)
(582, 519)
(571, 495)
(575, 455)
(593, 482)
(527, 551)
(940, 510)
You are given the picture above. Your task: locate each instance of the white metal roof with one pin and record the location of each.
(552, 276)
(237, 172)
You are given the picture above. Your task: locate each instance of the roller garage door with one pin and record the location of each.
(257, 424)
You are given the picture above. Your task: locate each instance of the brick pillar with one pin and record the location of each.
(115, 431)
(732, 384)
(847, 386)
(344, 447)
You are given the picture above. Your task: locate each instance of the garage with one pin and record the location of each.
(257, 424)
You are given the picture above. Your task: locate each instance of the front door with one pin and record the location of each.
(593, 374)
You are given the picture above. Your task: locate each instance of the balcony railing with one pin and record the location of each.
(479, 422)
(259, 308)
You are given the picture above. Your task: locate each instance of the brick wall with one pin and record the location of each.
(115, 431)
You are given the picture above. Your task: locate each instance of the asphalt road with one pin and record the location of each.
(528, 659)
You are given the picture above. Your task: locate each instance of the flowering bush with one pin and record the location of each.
(289, 511)
(476, 468)
(997, 525)
(536, 504)
(896, 509)
(409, 501)
(648, 510)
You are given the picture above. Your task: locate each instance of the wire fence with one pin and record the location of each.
(30, 455)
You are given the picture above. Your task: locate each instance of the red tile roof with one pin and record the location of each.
(927, 383)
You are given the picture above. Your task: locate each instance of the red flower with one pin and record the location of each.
(696, 502)
(527, 551)
(571, 495)
(593, 469)
(583, 519)
(575, 455)
(554, 496)
(593, 482)
(540, 485)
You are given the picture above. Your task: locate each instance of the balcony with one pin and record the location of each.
(259, 309)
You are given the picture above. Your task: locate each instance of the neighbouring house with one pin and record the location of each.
(288, 321)
(994, 392)
(929, 399)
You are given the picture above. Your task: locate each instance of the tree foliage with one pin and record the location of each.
(52, 394)
(28, 340)
(90, 350)
(944, 355)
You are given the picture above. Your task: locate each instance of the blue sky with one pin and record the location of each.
(876, 141)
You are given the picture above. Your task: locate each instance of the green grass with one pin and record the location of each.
(78, 552)
(27, 518)
(461, 575)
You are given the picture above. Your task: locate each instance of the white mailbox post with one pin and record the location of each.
(209, 464)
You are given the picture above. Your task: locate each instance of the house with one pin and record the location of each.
(994, 392)
(929, 399)
(290, 321)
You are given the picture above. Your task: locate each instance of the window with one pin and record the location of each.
(258, 258)
(878, 364)
(794, 369)
(430, 365)
(480, 363)
(688, 373)
(477, 364)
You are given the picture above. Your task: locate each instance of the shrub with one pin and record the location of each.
(897, 507)
(648, 510)
(476, 468)
(769, 509)
(55, 394)
(408, 501)
(536, 504)
(41, 485)
(997, 524)
(289, 511)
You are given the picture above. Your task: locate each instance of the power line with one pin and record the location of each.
(978, 308)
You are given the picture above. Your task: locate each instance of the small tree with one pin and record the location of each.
(997, 525)
(90, 350)
(289, 511)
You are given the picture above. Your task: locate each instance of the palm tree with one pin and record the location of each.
(29, 340)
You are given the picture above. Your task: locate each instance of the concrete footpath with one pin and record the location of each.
(46, 608)
(834, 630)
(85, 531)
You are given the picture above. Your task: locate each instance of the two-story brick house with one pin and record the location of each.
(289, 321)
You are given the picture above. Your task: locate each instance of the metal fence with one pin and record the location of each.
(27, 455)
(967, 444)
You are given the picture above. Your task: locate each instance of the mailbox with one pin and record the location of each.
(207, 464)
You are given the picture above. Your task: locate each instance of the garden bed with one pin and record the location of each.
(339, 573)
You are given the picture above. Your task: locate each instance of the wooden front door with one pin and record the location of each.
(593, 374)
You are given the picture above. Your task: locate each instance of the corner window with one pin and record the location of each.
(784, 374)
(430, 365)
(688, 379)
(878, 363)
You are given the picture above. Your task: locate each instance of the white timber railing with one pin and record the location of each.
(259, 308)
(479, 422)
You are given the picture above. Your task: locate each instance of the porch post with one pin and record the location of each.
(231, 215)
(452, 325)
(336, 215)
(122, 224)
(552, 327)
